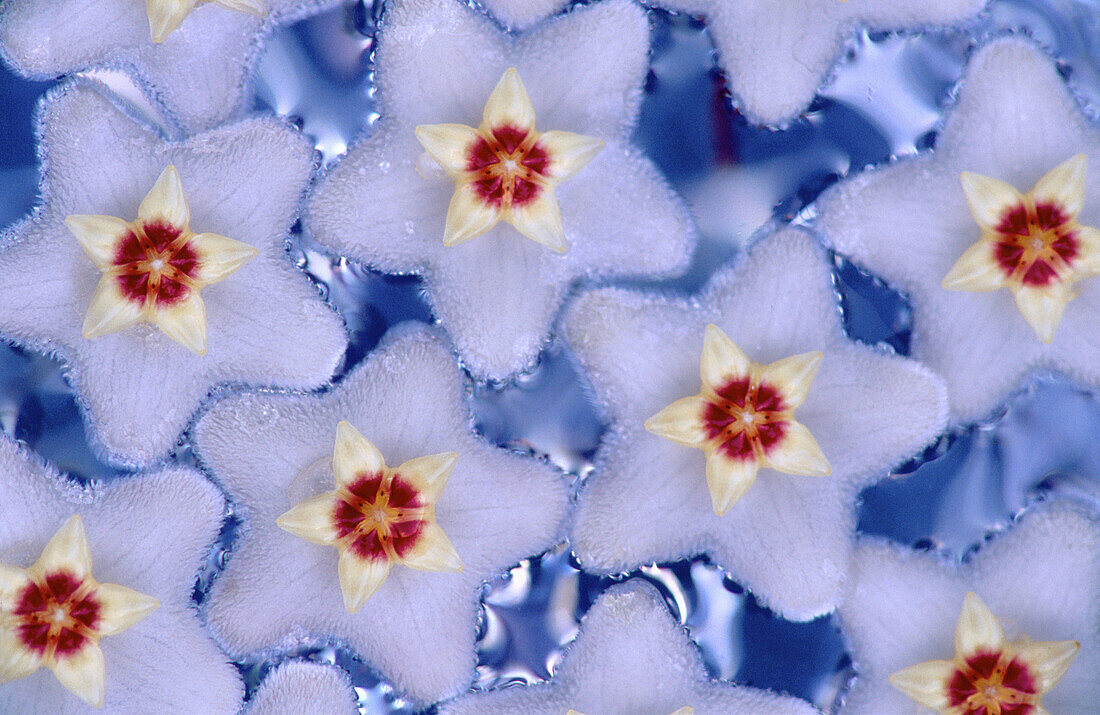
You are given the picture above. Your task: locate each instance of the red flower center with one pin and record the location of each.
(510, 166)
(746, 420)
(155, 264)
(379, 516)
(992, 683)
(57, 615)
(1036, 245)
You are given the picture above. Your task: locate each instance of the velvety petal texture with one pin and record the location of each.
(631, 657)
(198, 71)
(149, 533)
(520, 14)
(777, 53)
(303, 687)
(910, 222)
(1040, 579)
(265, 324)
(788, 538)
(273, 451)
(386, 202)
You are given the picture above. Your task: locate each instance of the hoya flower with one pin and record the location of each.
(631, 657)
(192, 55)
(457, 177)
(1014, 629)
(303, 687)
(155, 290)
(777, 53)
(95, 593)
(1009, 198)
(761, 469)
(393, 590)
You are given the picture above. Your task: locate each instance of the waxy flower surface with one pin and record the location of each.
(577, 83)
(264, 324)
(127, 638)
(377, 517)
(303, 687)
(273, 452)
(1022, 617)
(631, 657)
(951, 226)
(777, 53)
(193, 56)
(519, 14)
(788, 536)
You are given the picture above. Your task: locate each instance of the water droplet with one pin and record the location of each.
(384, 166)
(410, 228)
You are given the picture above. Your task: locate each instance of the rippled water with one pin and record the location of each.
(886, 100)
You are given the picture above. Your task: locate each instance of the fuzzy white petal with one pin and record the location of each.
(521, 13)
(301, 687)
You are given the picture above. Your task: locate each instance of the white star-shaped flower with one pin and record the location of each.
(788, 535)
(1022, 617)
(578, 79)
(948, 228)
(303, 687)
(630, 657)
(777, 53)
(264, 324)
(127, 639)
(192, 55)
(274, 451)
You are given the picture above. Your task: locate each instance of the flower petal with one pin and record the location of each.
(16, 660)
(360, 578)
(977, 629)
(569, 152)
(926, 683)
(449, 145)
(354, 454)
(166, 201)
(121, 607)
(252, 7)
(83, 673)
(468, 216)
(429, 474)
(681, 422)
(220, 256)
(988, 198)
(540, 221)
(298, 686)
(799, 454)
(12, 581)
(1049, 660)
(109, 310)
(67, 550)
(433, 552)
(1064, 186)
(793, 375)
(1089, 238)
(167, 15)
(185, 322)
(728, 480)
(976, 270)
(509, 105)
(312, 520)
(1043, 307)
(98, 236)
(721, 359)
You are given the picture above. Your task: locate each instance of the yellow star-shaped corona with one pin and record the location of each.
(1030, 243)
(988, 674)
(54, 613)
(166, 15)
(743, 418)
(154, 267)
(377, 516)
(506, 169)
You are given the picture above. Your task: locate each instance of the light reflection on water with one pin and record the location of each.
(886, 100)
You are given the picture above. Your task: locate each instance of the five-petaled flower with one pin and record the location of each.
(166, 15)
(743, 418)
(988, 674)
(377, 516)
(54, 613)
(506, 169)
(154, 267)
(1030, 244)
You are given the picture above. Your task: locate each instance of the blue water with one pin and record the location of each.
(887, 100)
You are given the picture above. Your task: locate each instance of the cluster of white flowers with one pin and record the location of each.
(742, 421)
